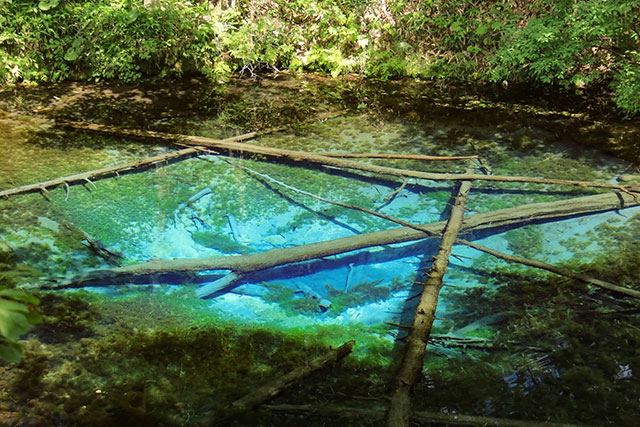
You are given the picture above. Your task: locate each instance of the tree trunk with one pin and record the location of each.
(408, 374)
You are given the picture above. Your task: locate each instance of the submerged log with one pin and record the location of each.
(110, 171)
(245, 264)
(234, 145)
(409, 372)
(272, 389)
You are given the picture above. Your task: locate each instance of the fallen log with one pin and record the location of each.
(234, 145)
(245, 264)
(525, 261)
(409, 372)
(396, 156)
(272, 389)
(107, 172)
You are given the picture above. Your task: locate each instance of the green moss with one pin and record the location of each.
(525, 241)
(357, 295)
(219, 242)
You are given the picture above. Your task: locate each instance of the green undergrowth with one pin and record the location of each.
(576, 46)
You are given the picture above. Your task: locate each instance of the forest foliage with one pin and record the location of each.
(568, 43)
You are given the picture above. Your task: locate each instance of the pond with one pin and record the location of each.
(169, 289)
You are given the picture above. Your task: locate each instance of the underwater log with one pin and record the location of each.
(85, 177)
(235, 144)
(267, 391)
(409, 372)
(496, 220)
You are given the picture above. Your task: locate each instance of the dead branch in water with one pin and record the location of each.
(395, 156)
(277, 386)
(409, 372)
(552, 268)
(234, 145)
(110, 171)
(247, 264)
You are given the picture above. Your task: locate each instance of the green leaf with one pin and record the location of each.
(47, 4)
(133, 15)
(77, 43)
(71, 54)
(14, 319)
(10, 351)
(18, 295)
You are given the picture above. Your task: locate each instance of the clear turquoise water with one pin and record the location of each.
(533, 320)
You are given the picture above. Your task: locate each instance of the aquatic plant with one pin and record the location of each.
(525, 241)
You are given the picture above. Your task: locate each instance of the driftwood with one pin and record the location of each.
(270, 390)
(400, 409)
(554, 269)
(246, 264)
(234, 145)
(377, 413)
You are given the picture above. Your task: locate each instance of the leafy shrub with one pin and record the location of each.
(16, 317)
(575, 44)
(570, 43)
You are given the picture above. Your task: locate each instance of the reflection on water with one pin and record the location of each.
(537, 346)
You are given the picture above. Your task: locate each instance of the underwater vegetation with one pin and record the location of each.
(546, 348)
(150, 359)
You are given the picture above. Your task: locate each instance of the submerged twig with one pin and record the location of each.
(336, 203)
